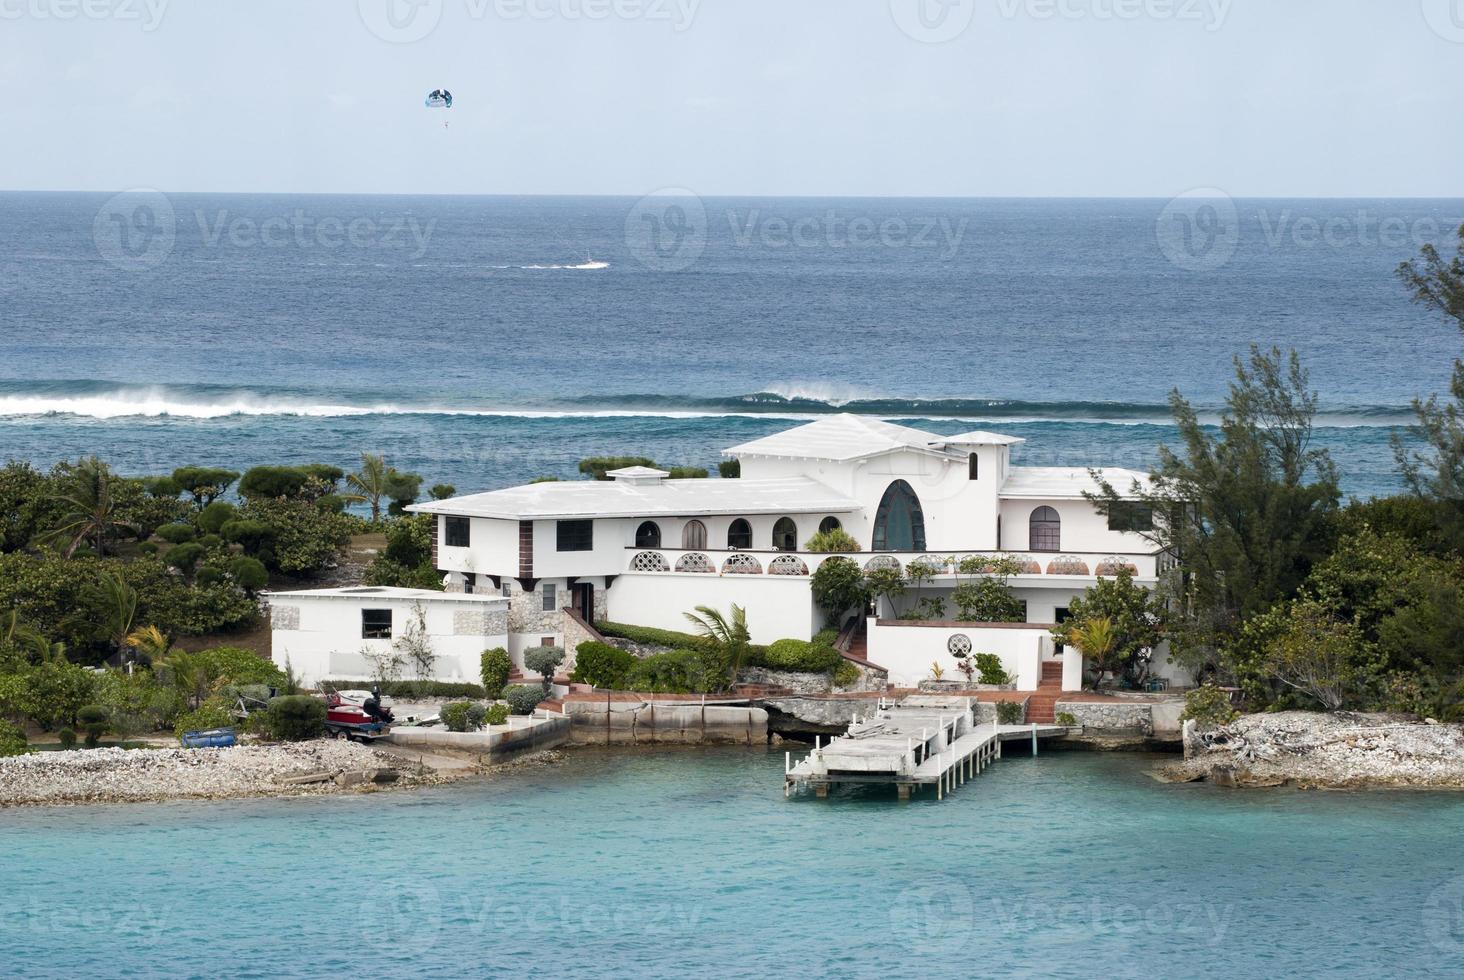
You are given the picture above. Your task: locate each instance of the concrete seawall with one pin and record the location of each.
(492, 745)
(596, 722)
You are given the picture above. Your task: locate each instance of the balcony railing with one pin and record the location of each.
(941, 565)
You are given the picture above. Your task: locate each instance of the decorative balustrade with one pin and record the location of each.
(937, 567)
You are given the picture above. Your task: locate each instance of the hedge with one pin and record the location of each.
(603, 666)
(296, 718)
(802, 656)
(673, 640)
(411, 689)
(677, 672)
(523, 698)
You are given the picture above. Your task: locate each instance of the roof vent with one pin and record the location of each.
(637, 475)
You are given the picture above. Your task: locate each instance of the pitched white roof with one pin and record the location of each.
(979, 437)
(1053, 482)
(664, 498)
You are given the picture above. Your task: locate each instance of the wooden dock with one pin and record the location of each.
(920, 741)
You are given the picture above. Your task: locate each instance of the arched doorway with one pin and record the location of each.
(648, 535)
(899, 524)
(739, 534)
(785, 534)
(694, 536)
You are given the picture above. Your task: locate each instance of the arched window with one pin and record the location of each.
(899, 524)
(694, 536)
(785, 535)
(648, 535)
(829, 524)
(973, 466)
(739, 534)
(1044, 530)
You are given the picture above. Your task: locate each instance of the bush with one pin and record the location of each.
(184, 557)
(273, 481)
(834, 541)
(410, 689)
(650, 636)
(93, 720)
(523, 698)
(677, 672)
(54, 692)
(203, 483)
(601, 665)
(494, 666)
(213, 713)
(1067, 718)
(544, 661)
(802, 656)
(296, 718)
(456, 716)
(212, 518)
(177, 533)
(67, 738)
(496, 714)
(846, 674)
(236, 665)
(1208, 706)
(249, 573)
(1009, 712)
(12, 740)
(838, 585)
(989, 669)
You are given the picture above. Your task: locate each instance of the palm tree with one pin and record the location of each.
(1098, 639)
(89, 512)
(188, 673)
(119, 602)
(372, 482)
(151, 642)
(728, 633)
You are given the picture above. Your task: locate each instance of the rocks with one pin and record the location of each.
(1335, 751)
(1109, 716)
(113, 775)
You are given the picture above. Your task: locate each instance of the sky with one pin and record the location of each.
(1150, 98)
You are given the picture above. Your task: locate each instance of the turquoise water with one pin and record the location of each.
(691, 862)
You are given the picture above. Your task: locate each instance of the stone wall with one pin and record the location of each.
(986, 713)
(1110, 716)
(674, 723)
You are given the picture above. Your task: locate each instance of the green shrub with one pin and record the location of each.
(252, 536)
(213, 713)
(136, 702)
(730, 469)
(802, 656)
(1207, 706)
(838, 585)
(544, 661)
(830, 542)
(212, 518)
(601, 665)
(203, 483)
(211, 541)
(273, 481)
(989, 669)
(597, 466)
(94, 721)
(496, 714)
(177, 533)
(67, 738)
(455, 716)
(147, 548)
(1009, 712)
(410, 689)
(826, 637)
(184, 557)
(846, 674)
(12, 740)
(494, 666)
(54, 692)
(1067, 718)
(239, 666)
(249, 573)
(523, 698)
(677, 672)
(208, 575)
(650, 636)
(296, 718)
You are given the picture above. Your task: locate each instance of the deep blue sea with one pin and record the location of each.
(460, 337)
(691, 863)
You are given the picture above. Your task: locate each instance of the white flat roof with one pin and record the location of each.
(848, 437)
(1052, 482)
(383, 592)
(667, 498)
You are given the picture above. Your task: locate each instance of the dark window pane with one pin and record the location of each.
(458, 532)
(575, 535)
(375, 624)
(1044, 530)
(648, 535)
(1125, 515)
(899, 524)
(739, 535)
(549, 605)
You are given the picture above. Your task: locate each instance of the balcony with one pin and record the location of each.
(944, 566)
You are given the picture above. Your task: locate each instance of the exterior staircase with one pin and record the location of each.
(1042, 704)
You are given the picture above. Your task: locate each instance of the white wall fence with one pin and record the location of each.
(909, 648)
(944, 566)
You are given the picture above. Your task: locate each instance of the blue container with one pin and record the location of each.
(213, 738)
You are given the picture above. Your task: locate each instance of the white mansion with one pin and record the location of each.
(643, 549)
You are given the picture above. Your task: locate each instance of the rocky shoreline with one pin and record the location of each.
(1323, 751)
(115, 775)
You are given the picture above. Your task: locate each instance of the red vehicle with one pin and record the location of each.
(358, 722)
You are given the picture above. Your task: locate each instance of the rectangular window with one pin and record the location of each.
(549, 605)
(506, 590)
(375, 624)
(1124, 515)
(574, 535)
(458, 532)
(470, 582)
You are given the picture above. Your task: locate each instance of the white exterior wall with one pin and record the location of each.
(326, 643)
(777, 607)
(493, 548)
(611, 537)
(1084, 529)
(907, 650)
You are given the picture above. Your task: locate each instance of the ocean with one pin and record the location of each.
(689, 862)
(484, 341)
